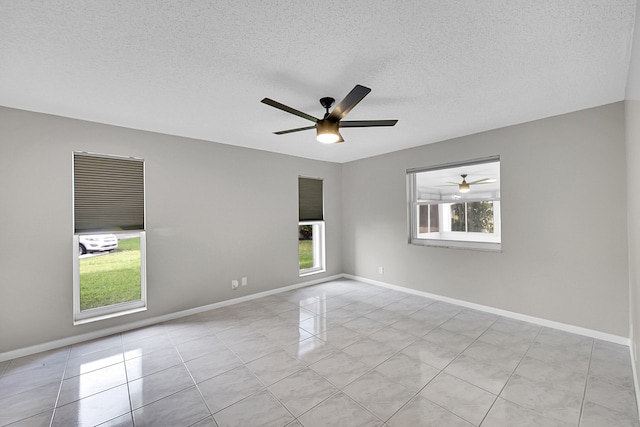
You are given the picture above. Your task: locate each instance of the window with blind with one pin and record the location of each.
(311, 251)
(456, 205)
(109, 236)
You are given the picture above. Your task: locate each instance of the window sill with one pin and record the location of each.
(459, 244)
(105, 316)
(310, 272)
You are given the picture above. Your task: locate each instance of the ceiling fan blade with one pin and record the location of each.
(351, 100)
(288, 109)
(366, 123)
(449, 184)
(282, 132)
(482, 181)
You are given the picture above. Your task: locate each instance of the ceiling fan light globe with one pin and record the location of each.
(464, 188)
(327, 132)
(328, 138)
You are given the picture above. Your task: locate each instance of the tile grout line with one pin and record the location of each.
(64, 371)
(512, 374)
(195, 383)
(586, 382)
(497, 394)
(245, 365)
(341, 389)
(126, 375)
(453, 360)
(434, 377)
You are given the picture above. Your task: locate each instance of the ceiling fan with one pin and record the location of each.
(327, 127)
(465, 186)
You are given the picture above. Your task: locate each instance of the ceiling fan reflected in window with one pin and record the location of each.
(327, 128)
(465, 187)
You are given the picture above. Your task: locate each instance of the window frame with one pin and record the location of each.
(451, 239)
(113, 310)
(319, 255)
(119, 309)
(311, 212)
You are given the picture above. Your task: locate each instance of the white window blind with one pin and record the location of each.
(108, 193)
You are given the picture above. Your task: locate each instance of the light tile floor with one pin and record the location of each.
(342, 353)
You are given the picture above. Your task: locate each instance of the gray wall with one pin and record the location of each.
(633, 200)
(218, 212)
(633, 190)
(564, 233)
(214, 213)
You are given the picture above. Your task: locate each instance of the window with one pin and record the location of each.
(109, 239)
(311, 257)
(456, 205)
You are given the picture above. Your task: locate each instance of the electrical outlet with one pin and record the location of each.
(243, 282)
(234, 284)
(380, 270)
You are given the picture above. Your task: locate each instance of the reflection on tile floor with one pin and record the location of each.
(342, 353)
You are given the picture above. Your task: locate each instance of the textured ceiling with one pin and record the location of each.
(200, 68)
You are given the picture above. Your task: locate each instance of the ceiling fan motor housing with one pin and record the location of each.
(327, 102)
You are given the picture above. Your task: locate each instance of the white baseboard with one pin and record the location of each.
(492, 310)
(51, 345)
(172, 316)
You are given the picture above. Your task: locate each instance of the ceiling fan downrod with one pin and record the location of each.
(327, 102)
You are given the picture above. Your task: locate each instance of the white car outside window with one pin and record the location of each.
(97, 243)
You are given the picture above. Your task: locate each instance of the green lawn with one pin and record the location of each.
(305, 250)
(112, 278)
